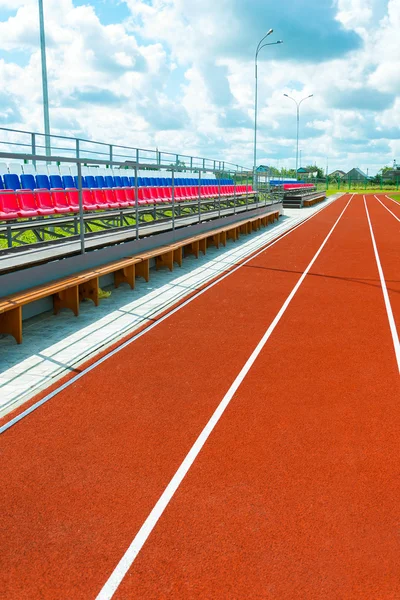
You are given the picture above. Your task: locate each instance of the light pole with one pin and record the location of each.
(298, 104)
(259, 47)
(44, 79)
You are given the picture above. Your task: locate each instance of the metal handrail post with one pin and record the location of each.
(81, 222)
(199, 195)
(219, 197)
(111, 153)
(33, 144)
(77, 150)
(173, 198)
(136, 202)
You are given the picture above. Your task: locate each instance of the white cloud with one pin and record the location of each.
(180, 75)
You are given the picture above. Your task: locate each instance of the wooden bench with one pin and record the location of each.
(68, 292)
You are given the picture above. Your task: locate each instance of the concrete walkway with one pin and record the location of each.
(54, 346)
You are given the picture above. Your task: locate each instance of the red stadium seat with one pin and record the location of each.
(9, 208)
(44, 202)
(27, 203)
(129, 197)
(87, 199)
(100, 199)
(60, 201)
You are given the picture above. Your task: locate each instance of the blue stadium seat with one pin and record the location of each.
(132, 182)
(68, 181)
(42, 182)
(125, 181)
(110, 181)
(11, 181)
(28, 182)
(1, 183)
(118, 181)
(101, 182)
(91, 181)
(56, 182)
(84, 184)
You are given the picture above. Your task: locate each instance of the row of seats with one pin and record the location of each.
(43, 202)
(27, 181)
(292, 186)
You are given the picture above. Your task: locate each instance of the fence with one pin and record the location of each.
(28, 142)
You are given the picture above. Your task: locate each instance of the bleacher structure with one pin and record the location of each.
(298, 194)
(70, 224)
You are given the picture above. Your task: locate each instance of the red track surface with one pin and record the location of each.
(296, 492)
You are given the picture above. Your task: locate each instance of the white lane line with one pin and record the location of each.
(392, 324)
(98, 362)
(388, 209)
(132, 552)
(391, 199)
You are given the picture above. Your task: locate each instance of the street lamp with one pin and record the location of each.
(298, 104)
(44, 79)
(259, 47)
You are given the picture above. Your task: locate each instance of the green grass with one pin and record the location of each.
(389, 192)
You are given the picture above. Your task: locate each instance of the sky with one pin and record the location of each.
(178, 75)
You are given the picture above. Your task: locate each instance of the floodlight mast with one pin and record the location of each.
(46, 113)
(298, 104)
(259, 47)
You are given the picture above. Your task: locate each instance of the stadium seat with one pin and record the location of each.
(27, 203)
(123, 197)
(68, 181)
(110, 181)
(11, 181)
(87, 199)
(101, 182)
(84, 184)
(60, 201)
(28, 182)
(9, 208)
(1, 183)
(55, 182)
(91, 182)
(42, 182)
(44, 202)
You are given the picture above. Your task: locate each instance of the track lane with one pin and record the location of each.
(386, 230)
(296, 493)
(79, 475)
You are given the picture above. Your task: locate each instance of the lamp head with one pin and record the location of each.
(279, 42)
(269, 32)
(286, 95)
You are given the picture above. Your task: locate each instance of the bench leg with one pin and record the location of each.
(232, 234)
(178, 256)
(125, 275)
(222, 238)
(203, 245)
(68, 298)
(143, 269)
(90, 289)
(166, 259)
(213, 240)
(11, 323)
(192, 248)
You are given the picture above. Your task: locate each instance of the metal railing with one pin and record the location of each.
(81, 148)
(202, 208)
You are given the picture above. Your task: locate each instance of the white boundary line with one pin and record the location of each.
(391, 200)
(392, 324)
(388, 209)
(132, 552)
(98, 362)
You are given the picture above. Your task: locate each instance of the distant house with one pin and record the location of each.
(338, 174)
(392, 175)
(262, 169)
(304, 172)
(356, 175)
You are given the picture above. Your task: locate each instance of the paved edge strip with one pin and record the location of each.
(116, 577)
(136, 336)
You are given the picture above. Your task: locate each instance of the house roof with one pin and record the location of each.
(262, 168)
(338, 171)
(357, 171)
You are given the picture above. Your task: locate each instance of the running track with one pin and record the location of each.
(293, 493)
